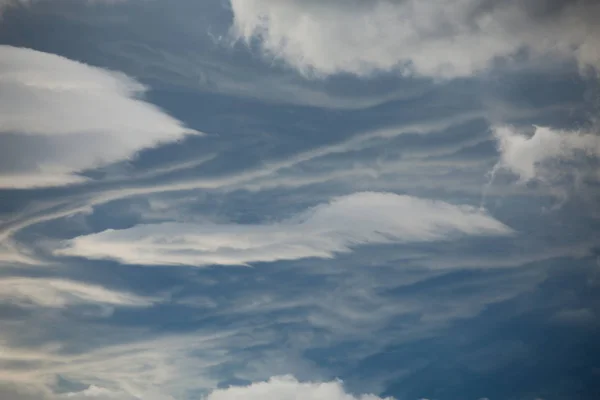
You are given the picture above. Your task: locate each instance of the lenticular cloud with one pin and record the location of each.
(321, 232)
(59, 116)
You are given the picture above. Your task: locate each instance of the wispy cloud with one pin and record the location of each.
(253, 177)
(261, 328)
(61, 293)
(335, 227)
(374, 264)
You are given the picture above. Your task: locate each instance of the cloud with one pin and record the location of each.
(61, 293)
(59, 116)
(254, 178)
(547, 155)
(581, 316)
(129, 364)
(289, 388)
(276, 388)
(12, 3)
(261, 327)
(428, 38)
(12, 392)
(99, 393)
(323, 231)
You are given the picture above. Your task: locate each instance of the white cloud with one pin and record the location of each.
(128, 361)
(276, 388)
(138, 368)
(434, 38)
(97, 393)
(289, 388)
(323, 231)
(12, 253)
(543, 155)
(255, 179)
(61, 293)
(15, 392)
(59, 116)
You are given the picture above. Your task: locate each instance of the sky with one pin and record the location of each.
(299, 199)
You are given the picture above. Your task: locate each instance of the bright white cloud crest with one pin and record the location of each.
(59, 116)
(426, 37)
(289, 388)
(539, 156)
(335, 227)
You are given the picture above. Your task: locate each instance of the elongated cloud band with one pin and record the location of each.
(59, 116)
(323, 231)
(60, 293)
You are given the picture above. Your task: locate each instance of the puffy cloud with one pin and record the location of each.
(289, 388)
(323, 231)
(59, 116)
(276, 388)
(61, 293)
(543, 155)
(430, 38)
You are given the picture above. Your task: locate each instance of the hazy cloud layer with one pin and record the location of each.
(60, 293)
(10, 392)
(59, 116)
(335, 227)
(430, 38)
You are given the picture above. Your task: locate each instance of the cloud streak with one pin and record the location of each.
(323, 231)
(61, 293)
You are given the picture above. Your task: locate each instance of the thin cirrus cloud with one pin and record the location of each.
(62, 293)
(59, 116)
(321, 232)
(441, 39)
(129, 364)
(92, 392)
